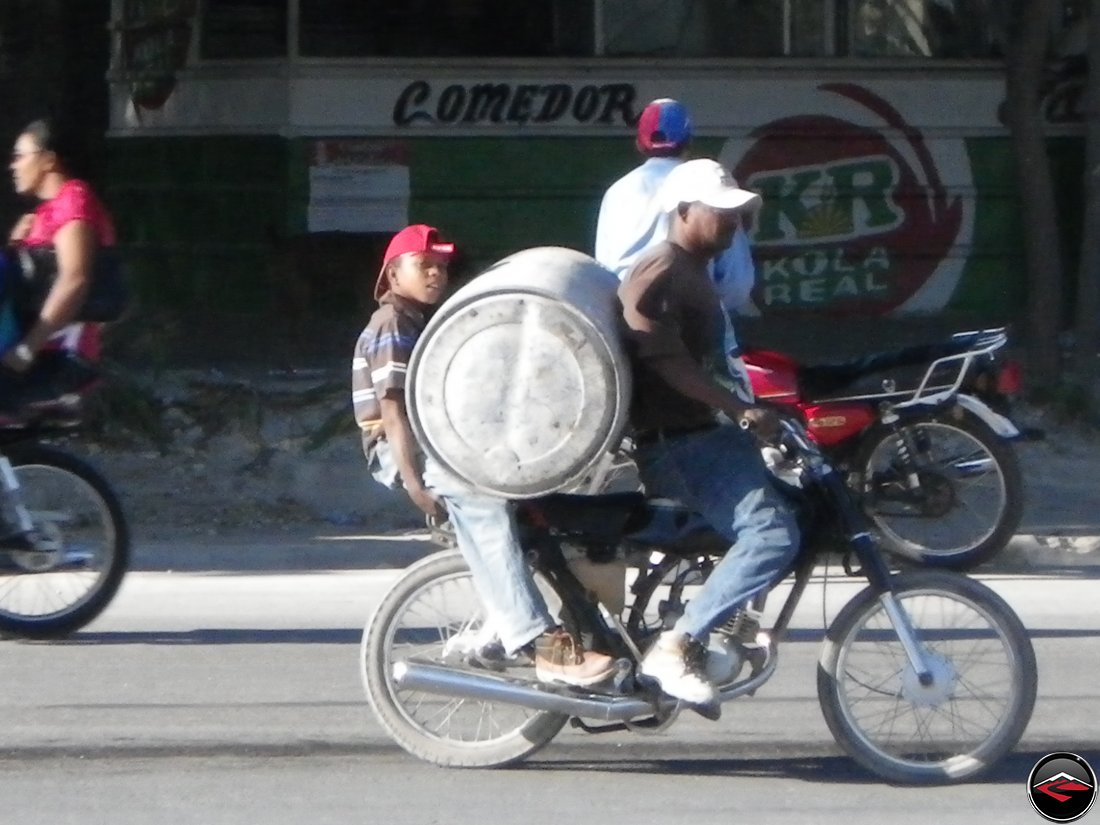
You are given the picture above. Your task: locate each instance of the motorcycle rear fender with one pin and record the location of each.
(998, 423)
(1001, 425)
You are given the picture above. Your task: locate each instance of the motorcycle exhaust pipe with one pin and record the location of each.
(489, 688)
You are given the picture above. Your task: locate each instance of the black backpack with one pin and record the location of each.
(107, 297)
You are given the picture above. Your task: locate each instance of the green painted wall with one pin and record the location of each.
(197, 215)
(202, 217)
(993, 281)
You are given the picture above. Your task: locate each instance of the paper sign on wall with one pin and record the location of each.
(358, 186)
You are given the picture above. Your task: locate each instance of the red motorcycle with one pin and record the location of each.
(924, 438)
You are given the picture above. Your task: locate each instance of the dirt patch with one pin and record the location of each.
(209, 452)
(213, 452)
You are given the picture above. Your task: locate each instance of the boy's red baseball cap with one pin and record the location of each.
(416, 238)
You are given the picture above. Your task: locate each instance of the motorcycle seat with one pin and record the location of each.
(604, 517)
(884, 375)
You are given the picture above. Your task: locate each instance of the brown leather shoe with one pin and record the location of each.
(560, 658)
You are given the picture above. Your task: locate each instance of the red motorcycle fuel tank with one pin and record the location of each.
(830, 424)
(773, 376)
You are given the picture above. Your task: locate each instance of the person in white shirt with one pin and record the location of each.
(632, 219)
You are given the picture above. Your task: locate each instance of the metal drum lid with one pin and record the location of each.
(518, 392)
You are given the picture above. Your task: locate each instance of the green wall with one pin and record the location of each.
(202, 217)
(197, 216)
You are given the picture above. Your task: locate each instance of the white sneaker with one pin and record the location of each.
(678, 664)
(469, 640)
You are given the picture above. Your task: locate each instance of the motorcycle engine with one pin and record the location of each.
(729, 644)
(724, 658)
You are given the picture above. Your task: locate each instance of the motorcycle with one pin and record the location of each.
(68, 563)
(924, 436)
(924, 677)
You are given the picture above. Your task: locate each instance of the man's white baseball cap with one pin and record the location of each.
(705, 181)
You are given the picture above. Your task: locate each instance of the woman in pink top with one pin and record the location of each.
(75, 222)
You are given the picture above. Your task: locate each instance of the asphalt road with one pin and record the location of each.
(234, 697)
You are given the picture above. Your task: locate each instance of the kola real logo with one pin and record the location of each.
(857, 217)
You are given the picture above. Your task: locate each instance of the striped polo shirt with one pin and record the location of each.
(381, 360)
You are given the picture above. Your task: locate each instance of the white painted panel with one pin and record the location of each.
(387, 100)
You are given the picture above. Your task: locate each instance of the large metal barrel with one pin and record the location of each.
(519, 383)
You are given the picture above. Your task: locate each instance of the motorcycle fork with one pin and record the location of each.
(873, 565)
(11, 498)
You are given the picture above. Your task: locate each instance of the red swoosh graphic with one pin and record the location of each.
(1049, 788)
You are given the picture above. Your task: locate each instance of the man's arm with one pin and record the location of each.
(395, 423)
(691, 381)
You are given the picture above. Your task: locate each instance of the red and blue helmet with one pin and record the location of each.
(664, 127)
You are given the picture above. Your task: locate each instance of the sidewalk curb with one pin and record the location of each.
(1036, 551)
(323, 549)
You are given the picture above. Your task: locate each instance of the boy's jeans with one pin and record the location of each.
(486, 533)
(721, 475)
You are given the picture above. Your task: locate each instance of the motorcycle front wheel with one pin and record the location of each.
(972, 712)
(432, 607)
(83, 547)
(968, 499)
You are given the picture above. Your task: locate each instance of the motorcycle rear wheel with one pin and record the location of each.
(970, 499)
(85, 546)
(970, 716)
(433, 602)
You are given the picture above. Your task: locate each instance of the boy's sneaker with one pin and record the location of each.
(493, 656)
(678, 663)
(480, 647)
(560, 658)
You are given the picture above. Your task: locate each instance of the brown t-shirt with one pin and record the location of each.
(672, 314)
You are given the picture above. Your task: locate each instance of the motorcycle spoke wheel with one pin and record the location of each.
(977, 705)
(968, 503)
(82, 554)
(430, 614)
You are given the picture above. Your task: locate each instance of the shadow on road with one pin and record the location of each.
(340, 635)
(216, 636)
(831, 768)
(818, 763)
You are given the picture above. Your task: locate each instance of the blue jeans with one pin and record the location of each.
(486, 533)
(720, 474)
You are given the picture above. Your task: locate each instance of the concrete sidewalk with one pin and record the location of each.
(327, 549)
